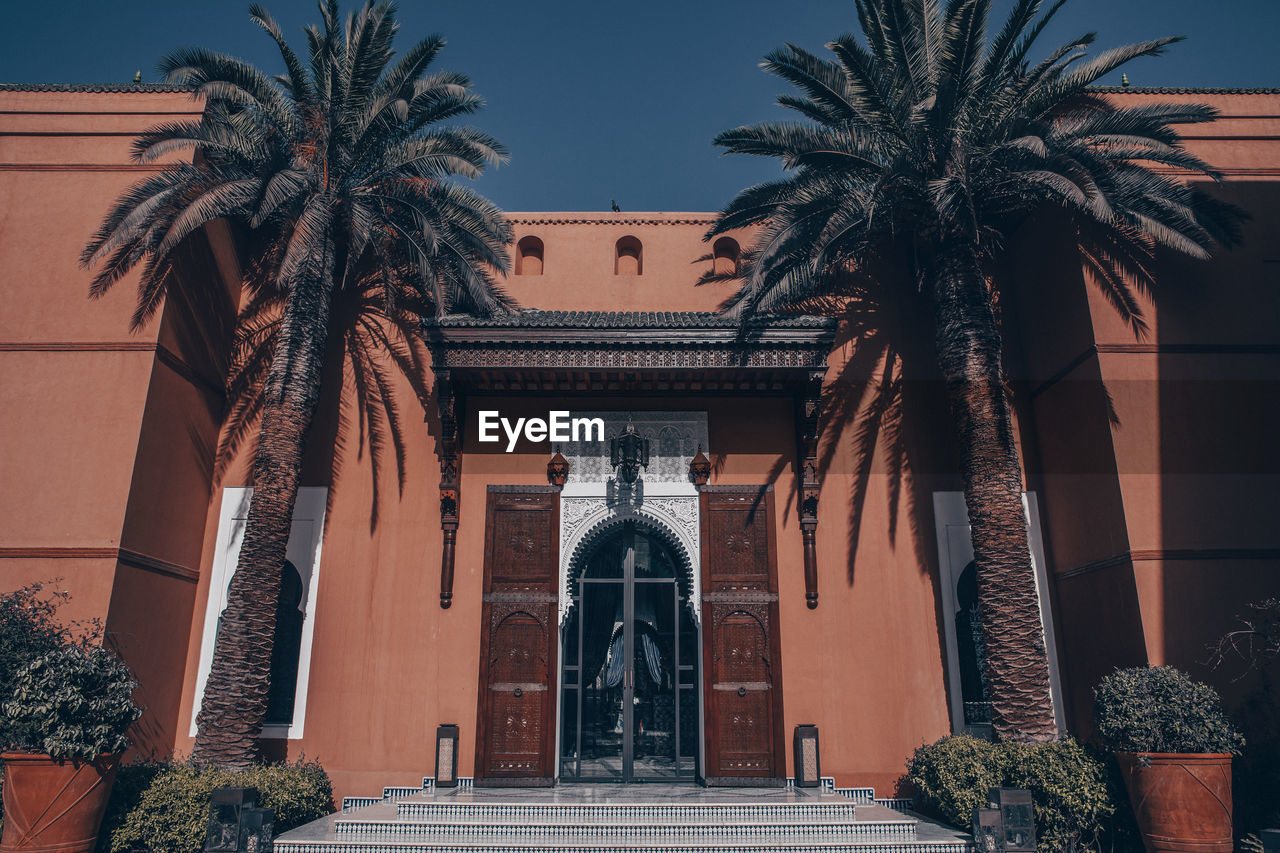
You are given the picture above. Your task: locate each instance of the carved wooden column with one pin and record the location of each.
(450, 455)
(810, 416)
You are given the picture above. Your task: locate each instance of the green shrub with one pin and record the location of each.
(73, 702)
(1161, 709)
(169, 813)
(1069, 788)
(131, 781)
(29, 628)
(1073, 804)
(952, 776)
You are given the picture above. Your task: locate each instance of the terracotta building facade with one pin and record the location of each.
(788, 545)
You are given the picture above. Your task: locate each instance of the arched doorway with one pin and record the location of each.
(629, 671)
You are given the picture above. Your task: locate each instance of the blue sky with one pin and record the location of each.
(605, 100)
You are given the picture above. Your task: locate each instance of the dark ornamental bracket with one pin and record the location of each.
(809, 422)
(450, 480)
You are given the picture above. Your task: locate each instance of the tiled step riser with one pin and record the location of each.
(560, 835)
(729, 814)
(410, 847)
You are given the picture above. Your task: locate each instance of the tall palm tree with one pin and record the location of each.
(340, 174)
(921, 147)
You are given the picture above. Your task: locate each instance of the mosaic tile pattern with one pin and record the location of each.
(606, 818)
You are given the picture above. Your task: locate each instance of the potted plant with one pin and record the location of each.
(67, 720)
(1174, 745)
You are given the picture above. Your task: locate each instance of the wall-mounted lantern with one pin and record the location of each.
(446, 756)
(808, 770)
(700, 468)
(558, 470)
(628, 453)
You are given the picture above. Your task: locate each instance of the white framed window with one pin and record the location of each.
(303, 558)
(965, 655)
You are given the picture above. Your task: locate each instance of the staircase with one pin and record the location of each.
(621, 819)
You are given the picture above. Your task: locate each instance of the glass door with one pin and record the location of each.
(629, 696)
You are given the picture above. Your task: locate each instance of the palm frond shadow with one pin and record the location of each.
(868, 400)
(865, 401)
(371, 341)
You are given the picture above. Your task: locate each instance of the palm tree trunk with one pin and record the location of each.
(969, 353)
(234, 706)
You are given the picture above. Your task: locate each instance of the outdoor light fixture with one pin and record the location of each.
(700, 468)
(1017, 819)
(446, 756)
(808, 771)
(558, 470)
(236, 824)
(988, 835)
(629, 453)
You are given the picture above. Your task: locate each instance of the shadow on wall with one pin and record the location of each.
(1218, 401)
(372, 349)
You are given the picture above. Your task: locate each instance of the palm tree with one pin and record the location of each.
(921, 148)
(339, 174)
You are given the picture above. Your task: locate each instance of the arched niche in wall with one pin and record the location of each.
(725, 253)
(628, 257)
(529, 256)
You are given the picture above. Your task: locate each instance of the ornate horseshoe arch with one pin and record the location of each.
(666, 501)
(673, 520)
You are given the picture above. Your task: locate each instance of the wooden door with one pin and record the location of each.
(742, 666)
(515, 732)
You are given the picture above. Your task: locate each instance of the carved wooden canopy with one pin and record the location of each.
(584, 351)
(666, 352)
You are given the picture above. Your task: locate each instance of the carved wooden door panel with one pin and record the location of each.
(742, 665)
(515, 730)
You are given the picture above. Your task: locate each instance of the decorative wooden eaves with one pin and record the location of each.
(671, 353)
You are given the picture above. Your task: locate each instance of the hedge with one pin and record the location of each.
(164, 808)
(1074, 803)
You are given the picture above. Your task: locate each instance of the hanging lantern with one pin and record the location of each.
(700, 468)
(558, 470)
(628, 453)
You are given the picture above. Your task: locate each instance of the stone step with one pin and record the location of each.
(287, 845)
(622, 819)
(646, 834)
(629, 813)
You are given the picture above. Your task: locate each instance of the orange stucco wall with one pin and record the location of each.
(1155, 453)
(1151, 460)
(107, 432)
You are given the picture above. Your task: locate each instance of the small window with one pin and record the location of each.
(529, 256)
(725, 253)
(290, 612)
(969, 693)
(290, 664)
(629, 259)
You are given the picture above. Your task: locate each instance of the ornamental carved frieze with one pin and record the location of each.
(615, 356)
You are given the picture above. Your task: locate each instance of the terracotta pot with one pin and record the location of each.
(1182, 801)
(54, 806)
